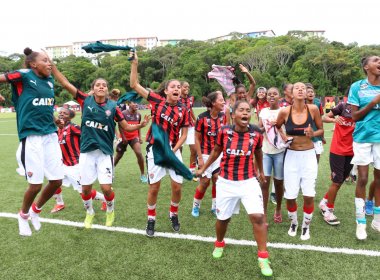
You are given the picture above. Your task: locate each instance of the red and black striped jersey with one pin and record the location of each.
(170, 117)
(132, 119)
(238, 152)
(284, 103)
(69, 140)
(189, 103)
(208, 127)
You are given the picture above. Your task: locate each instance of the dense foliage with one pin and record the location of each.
(330, 66)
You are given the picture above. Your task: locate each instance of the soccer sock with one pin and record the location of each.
(330, 207)
(87, 202)
(23, 215)
(359, 211)
(173, 208)
(376, 214)
(35, 209)
(97, 195)
(213, 195)
(110, 202)
(219, 244)
(192, 165)
(198, 196)
(151, 212)
(292, 214)
(58, 196)
(307, 216)
(325, 198)
(263, 254)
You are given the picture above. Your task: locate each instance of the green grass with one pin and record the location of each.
(61, 252)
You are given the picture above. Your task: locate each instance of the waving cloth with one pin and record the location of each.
(131, 96)
(164, 155)
(274, 137)
(225, 76)
(98, 47)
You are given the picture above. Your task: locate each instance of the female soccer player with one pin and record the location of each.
(300, 163)
(364, 98)
(237, 180)
(133, 139)
(206, 127)
(69, 141)
(173, 117)
(260, 101)
(99, 115)
(273, 156)
(33, 96)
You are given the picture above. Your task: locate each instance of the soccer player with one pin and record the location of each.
(300, 163)
(207, 126)
(364, 98)
(237, 180)
(133, 139)
(99, 115)
(273, 157)
(341, 154)
(173, 117)
(260, 101)
(33, 97)
(69, 141)
(310, 99)
(188, 101)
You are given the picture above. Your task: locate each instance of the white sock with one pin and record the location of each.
(110, 205)
(213, 203)
(100, 196)
(59, 198)
(197, 202)
(293, 217)
(88, 206)
(306, 220)
(360, 210)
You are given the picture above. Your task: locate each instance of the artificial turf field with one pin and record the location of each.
(61, 251)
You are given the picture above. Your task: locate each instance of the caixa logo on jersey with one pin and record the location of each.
(43, 102)
(237, 152)
(169, 119)
(96, 125)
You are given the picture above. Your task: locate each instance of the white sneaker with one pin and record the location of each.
(375, 226)
(293, 230)
(35, 219)
(305, 235)
(23, 226)
(323, 207)
(361, 233)
(330, 218)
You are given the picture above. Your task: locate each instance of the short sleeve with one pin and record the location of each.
(219, 137)
(337, 111)
(353, 95)
(199, 124)
(81, 97)
(118, 115)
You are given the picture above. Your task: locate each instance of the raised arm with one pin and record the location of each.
(63, 81)
(134, 79)
(252, 82)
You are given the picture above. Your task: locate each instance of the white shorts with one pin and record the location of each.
(318, 147)
(214, 166)
(156, 172)
(229, 194)
(300, 171)
(190, 140)
(41, 157)
(72, 177)
(366, 153)
(95, 164)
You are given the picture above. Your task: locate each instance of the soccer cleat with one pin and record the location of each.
(273, 198)
(35, 219)
(330, 218)
(277, 217)
(293, 230)
(143, 179)
(23, 226)
(264, 265)
(361, 233)
(305, 235)
(195, 211)
(88, 220)
(57, 208)
(218, 252)
(323, 207)
(150, 227)
(110, 218)
(175, 223)
(375, 226)
(369, 207)
(104, 206)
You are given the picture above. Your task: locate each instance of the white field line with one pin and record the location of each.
(346, 251)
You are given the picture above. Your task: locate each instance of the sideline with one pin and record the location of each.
(346, 251)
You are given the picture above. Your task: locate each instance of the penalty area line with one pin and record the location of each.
(286, 246)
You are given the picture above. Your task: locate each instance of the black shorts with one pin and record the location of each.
(122, 147)
(340, 167)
